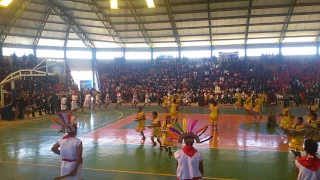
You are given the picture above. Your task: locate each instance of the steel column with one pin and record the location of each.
(245, 51)
(2, 96)
(210, 30)
(12, 20)
(13, 91)
(137, 17)
(124, 52)
(172, 22)
(287, 20)
(1, 51)
(65, 53)
(94, 60)
(317, 46)
(179, 50)
(152, 54)
(248, 22)
(42, 24)
(280, 48)
(58, 9)
(35, 51)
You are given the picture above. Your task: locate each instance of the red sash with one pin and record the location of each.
(69, 160)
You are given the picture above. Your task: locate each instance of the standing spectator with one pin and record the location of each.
(308, 167)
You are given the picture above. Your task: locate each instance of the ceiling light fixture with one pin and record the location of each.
(114, 4)
(5, 3)
(150, 4)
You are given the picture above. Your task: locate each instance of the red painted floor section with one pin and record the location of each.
(229, 136)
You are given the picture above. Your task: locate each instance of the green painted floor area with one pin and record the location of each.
(25, 153)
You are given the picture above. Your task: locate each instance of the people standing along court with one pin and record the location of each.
(87, 101)
(74, 102)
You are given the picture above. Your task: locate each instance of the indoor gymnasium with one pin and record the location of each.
(159, 89)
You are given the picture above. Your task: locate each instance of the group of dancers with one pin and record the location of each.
(298, 129)
(166, 133)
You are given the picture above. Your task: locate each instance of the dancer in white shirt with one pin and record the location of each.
(107, 100)
(97, 100)
(134, 99)
(189, 160)
(64, 103)
(70, 149)
(74, 102)
(87, 101)
(119, 100)
(147, 99)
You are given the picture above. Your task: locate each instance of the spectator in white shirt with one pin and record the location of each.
(308, 167)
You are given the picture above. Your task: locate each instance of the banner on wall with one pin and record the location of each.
(228, 55)
(165, 57)
(85, 84)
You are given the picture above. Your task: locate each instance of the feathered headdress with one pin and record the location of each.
(188, 132)
(67, 123)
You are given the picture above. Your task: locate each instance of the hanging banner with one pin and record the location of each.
(228, 56)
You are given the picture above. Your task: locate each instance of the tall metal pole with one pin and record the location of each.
(1, 50)
(94, 60)
(317, 46)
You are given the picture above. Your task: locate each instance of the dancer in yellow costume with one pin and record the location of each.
(296, 143)
(313, 107)
(238, 98)
(141, 119)
(214, 113)
(165, 103)
(179, 98)
(173, 110)
(286, 120)
(248, 104)
(156, 129)
(257, 107)
(166, 143)
(312, 117)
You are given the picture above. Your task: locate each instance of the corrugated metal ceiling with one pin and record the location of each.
(228, 23)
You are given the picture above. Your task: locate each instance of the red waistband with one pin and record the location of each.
(74, 100)
(69, 160)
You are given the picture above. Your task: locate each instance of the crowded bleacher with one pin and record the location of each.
(289, 81)
(267, 75)
(31, 94)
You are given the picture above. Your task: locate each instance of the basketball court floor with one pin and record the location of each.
(243, 148)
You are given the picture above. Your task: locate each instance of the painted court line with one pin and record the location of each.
(113, 120)
(26, 141)
(108, 170)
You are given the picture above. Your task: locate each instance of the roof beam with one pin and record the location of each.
(42, 24)
(135, 37)
(209, 20)
(197, 27)
(183, 20)
(183, 4)
(248, 21)
(70, 22)
(140, 23)
(66, 38)
(172, 22)
(287, 20)
(12, 20)
(104, 18)
(139, 42)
